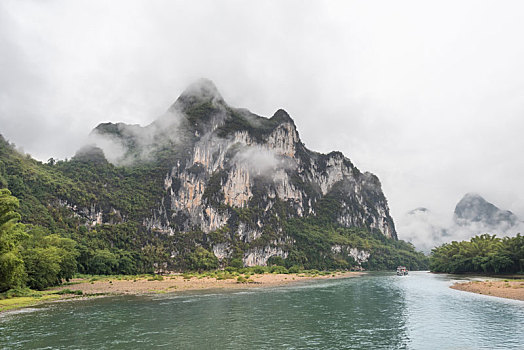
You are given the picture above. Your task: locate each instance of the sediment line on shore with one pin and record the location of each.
(504, 289)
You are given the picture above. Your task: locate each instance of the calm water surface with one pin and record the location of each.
(376, 311)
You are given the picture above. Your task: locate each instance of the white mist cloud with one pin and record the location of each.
(114, 150)
(262, 161)
(427, 229)
(424, 228)
(144, 140)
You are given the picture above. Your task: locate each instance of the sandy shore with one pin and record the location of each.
(178, 283)
(503, 289)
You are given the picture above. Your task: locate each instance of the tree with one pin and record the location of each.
(43, 267)
(126, 263)
(12, 271)
(103, 262)
(202, 259)
(48, 258)
(484, 254)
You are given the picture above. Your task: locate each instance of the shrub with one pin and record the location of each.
(294, 269)
(259, 269)
(278, 269)
(225, 276)
(17, 292)
(202, 259)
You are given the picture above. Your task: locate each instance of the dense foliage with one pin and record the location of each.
(314, 241)
(30, 255)
(49, 195)
(482, 254)
(12, 271)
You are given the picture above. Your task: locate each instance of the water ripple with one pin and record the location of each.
(376, 311)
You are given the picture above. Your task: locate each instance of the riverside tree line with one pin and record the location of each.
(35, 257)
(29, 255)
(482, 254)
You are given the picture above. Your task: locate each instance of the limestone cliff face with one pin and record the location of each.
(242, 175)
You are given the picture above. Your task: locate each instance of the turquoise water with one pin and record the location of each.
(376, 311)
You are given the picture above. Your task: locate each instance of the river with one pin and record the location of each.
(374, 311)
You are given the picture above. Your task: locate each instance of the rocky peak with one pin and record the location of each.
(117, 129)
(281, 116)
(200, 92)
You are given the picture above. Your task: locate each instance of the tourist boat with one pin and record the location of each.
(402, 271)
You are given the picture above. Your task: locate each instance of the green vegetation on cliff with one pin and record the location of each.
(321, 246)
(59, 235)
(57, 199)
(482, 254)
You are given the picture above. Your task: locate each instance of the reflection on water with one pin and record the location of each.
(377, 311)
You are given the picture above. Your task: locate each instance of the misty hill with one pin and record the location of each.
(206, 181)
(472, 208)
(473, 215)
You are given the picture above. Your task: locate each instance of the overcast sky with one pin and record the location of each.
(428, 96)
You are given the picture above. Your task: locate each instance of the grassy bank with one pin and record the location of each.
(19, 298)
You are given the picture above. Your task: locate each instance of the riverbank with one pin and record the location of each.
(80, 288)
(27, 298)
(176, 283)
(510, 289)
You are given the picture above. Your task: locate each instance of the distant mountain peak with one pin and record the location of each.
(474, 208)
(473, 196)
